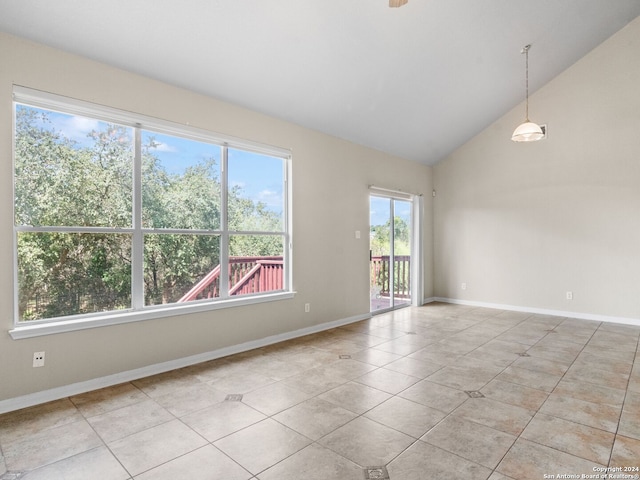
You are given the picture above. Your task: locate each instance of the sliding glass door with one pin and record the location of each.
(390, 234)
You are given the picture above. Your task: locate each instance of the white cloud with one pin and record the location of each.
(163, 147)
(271, 198)
(77, 128)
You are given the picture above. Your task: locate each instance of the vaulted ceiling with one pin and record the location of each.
(416, 81)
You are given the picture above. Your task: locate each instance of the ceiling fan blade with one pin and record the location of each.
(397, 3)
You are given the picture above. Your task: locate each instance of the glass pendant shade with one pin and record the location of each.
(527, 132)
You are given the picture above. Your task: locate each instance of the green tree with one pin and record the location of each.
(173, 263)
(381, 238)
(60, 183)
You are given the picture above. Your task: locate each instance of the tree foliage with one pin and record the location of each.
(381, 238)
(60, 182)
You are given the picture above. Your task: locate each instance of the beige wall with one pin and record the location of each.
(522, 224)
(330, 202)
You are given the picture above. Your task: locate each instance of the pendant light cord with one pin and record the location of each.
(525, 50)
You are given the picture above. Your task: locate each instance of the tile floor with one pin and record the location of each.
(440, 391)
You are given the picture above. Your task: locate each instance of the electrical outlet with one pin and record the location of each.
(38, 359)
(307, 307)
(464, 286)
(569, 295)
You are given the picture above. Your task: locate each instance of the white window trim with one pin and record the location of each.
(34, 328)
(39, 328)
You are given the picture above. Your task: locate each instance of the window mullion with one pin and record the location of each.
(224, 223)
(137, 243)
(287, 242)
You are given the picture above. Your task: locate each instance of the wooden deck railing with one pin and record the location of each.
(246, 275)
(380, 268)
(264, 276)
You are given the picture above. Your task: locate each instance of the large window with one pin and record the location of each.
(117, 213)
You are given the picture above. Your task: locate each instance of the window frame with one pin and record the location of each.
(138, 311)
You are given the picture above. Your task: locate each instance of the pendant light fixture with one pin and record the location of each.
(528, 131)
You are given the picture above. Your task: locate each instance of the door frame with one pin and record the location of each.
(416, 245)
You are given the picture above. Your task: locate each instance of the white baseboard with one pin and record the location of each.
(543, 311)
(64, 391)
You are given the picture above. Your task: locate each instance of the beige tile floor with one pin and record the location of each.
(436, 392)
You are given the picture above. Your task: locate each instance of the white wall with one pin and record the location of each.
(330, 202)
(522, 224)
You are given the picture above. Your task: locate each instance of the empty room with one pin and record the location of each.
(319, 240)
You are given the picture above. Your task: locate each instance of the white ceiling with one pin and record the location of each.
(416, 81)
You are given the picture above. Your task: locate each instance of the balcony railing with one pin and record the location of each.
(246, 275)
(380, 279)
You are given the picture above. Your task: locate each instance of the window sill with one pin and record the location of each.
(29, 330)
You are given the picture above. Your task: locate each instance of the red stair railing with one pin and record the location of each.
(246, 275)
